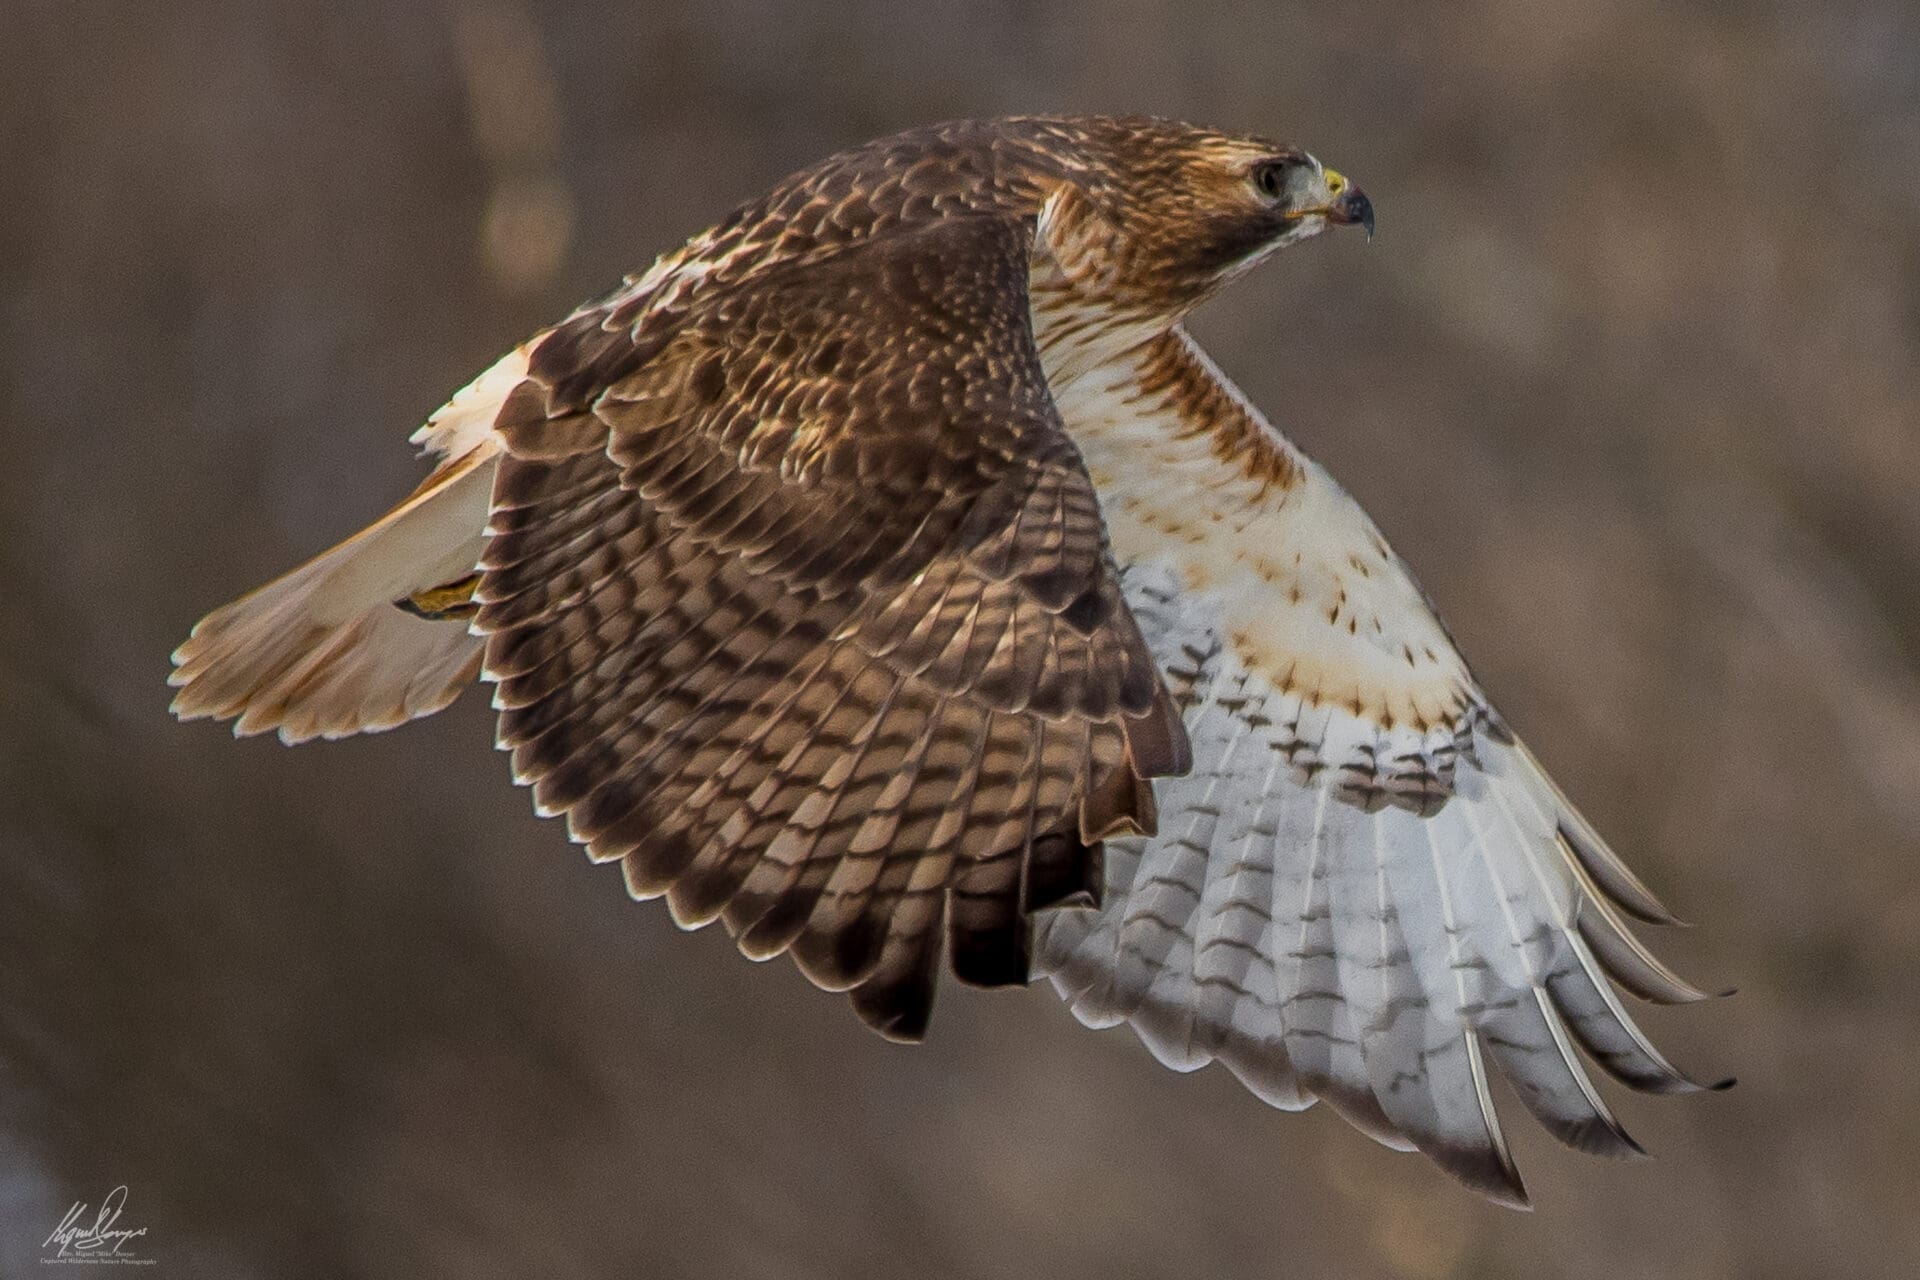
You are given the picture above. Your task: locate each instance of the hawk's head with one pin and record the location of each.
(1159, 214)
(1137, 216)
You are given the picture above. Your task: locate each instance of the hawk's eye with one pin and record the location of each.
(1271, 177)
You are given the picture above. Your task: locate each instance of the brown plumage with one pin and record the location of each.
(794, 590)
(835, 694)
(832, 574)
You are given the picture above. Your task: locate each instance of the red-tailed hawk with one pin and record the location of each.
(852, 574)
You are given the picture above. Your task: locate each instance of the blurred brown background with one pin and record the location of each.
(1629, 375)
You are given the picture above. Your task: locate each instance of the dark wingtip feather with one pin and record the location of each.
(1062, 871)
(993, 956)
(898, 1010)
(1604, 871)
(1629, 963)
(1602, 1135)
(844, 957)
(1487, 1171)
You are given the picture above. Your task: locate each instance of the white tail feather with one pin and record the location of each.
(323, 652)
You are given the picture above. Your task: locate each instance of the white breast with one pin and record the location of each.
(1304, 589)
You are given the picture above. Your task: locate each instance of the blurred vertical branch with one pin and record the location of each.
(1844, 646)
(513, 102)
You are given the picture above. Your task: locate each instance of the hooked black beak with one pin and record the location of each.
(1352, 207)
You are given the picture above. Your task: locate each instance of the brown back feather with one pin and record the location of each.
(800, 605)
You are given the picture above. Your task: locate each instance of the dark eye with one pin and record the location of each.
(1271, 177)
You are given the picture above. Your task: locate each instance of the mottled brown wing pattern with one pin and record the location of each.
(808, 616)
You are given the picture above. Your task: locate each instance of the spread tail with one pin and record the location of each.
(362, 637)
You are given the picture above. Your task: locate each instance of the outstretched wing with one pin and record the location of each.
(1367, 890)
(799, 604)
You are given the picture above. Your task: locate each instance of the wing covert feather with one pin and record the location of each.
(802, 608)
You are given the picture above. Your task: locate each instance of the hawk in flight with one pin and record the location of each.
(888, 574)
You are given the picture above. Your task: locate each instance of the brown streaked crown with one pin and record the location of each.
(1173, 206)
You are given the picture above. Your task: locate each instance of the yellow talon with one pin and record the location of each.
(448, 600)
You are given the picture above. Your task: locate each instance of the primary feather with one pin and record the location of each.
(1366, 891)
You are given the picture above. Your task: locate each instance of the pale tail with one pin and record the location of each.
(324, 652)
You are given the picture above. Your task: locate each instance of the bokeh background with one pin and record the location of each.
(1629, 375)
